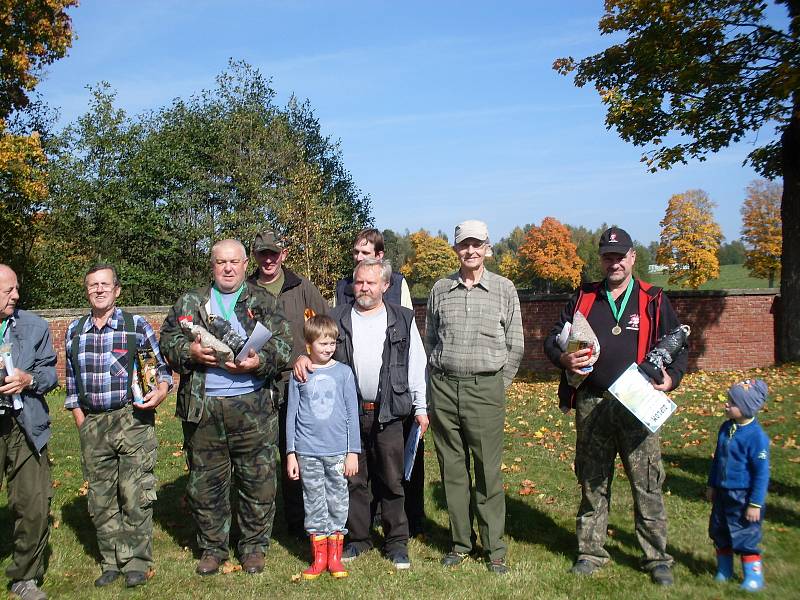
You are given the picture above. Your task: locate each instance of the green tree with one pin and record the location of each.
(397, 248)
(731, 253)
(710, 72)
(690, 239)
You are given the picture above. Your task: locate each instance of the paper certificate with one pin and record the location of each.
(652, 407)
(410, 454)
(256, 341)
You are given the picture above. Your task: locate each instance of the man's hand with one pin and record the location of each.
(753, 514)
(248, 365)
(16, 383)
(292, 468)
(666, 385)
(302, 366)
(79, 417)
(154, 397)
(350, 464)
(423, 422)
(203, 356)
(575, 361)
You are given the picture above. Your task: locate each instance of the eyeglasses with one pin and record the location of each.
(100, 287)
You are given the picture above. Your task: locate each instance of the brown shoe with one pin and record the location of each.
(208, 564)
(253, 563)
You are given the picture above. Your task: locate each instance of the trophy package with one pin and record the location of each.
(664, 353)
(145, 377)
(207, 339)
(577, 336)
(223, 331)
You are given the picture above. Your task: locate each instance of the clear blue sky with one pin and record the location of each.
(446, 110)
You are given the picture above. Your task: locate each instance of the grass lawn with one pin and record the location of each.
(542, 497)
(731, 277)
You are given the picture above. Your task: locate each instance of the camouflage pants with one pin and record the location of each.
(29, 493)
(325, 496)
(118, 452)
(605, 428)
(236, 437)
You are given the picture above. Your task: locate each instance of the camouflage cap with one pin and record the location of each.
(268, 240)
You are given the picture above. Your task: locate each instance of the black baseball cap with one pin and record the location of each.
(268, 240)
(615, 240)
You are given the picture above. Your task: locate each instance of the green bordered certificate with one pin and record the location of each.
(652, 407)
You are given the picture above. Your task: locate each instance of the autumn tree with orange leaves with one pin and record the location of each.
(33, 34)
(548, 253)
(690, 239)
(761, 229)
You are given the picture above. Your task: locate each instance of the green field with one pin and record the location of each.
(542, 497)
(731, 277)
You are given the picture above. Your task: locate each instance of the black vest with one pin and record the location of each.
(393, 393)
(344, 290)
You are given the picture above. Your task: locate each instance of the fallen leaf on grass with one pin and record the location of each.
(56, 483)
(229, 567)
(84, 489)
(151, 572)
(177, 453)
(296, 578)
(526, 491)
(56, 524)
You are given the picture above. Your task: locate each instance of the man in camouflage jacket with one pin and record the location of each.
(230, 421)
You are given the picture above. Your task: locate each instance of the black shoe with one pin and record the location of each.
(662, 575)
(498, 565)
(134, 578)
(583, 567)
(400, 559)
(352, 551)
(453, 559)
(107, 578)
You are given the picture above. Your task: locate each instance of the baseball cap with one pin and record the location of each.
(615, 240)
(268, 240)
(471, 229)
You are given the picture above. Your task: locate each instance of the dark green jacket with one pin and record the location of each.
(254, 305)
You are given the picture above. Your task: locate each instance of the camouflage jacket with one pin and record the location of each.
(255, 304)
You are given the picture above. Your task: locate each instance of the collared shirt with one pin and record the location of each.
(103, 358)
(474, 331)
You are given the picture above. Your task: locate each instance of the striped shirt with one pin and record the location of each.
(474, 331)
(103, 357)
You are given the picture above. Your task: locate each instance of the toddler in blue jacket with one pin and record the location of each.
(737, 484)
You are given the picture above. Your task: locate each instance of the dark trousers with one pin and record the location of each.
(380, 465)
(29, 492)
(415, 487)
(728, 526)
(291, 490)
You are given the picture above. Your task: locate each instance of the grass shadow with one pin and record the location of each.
(171, 513)
(75, 515)
(697, 566)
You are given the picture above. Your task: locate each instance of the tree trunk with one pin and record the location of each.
(789, 323)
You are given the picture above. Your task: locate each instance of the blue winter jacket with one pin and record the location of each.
(741, 461)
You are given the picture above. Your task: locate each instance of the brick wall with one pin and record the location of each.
(731, 329)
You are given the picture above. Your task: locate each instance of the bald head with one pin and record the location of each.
(9, 291)
(229, 265)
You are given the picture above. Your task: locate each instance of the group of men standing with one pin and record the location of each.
(233, 422)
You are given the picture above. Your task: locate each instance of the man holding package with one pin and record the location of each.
(24, 434)
(628, 317)
(228, 408)
(116, 428)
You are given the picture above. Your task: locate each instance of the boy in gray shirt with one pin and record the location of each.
(322, 445)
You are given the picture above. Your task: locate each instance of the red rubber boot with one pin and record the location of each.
(319, 550)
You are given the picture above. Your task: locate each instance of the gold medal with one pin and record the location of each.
(616, 330)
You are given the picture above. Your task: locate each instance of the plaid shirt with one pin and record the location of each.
(103, 357)
(474, 331)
